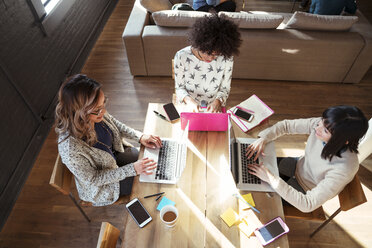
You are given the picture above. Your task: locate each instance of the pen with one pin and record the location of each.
(154, 195)
(160, 115)
(157, 198)
(240, 198)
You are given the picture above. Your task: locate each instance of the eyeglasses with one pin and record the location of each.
(99, 111)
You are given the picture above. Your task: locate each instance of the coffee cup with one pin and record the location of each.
(169, 215)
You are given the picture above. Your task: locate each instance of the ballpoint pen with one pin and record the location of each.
(160, 115)
(154, 195)
(242, 199)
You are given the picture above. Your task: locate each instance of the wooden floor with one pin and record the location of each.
(42, 217)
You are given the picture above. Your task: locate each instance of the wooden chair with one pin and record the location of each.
(108, 236)
(350, 197)
(61, 179)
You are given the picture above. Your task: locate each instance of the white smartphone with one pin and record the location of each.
(271, 231)
(241, 113)
(138, 212)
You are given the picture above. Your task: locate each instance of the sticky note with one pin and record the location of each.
(246, 228)
(165, 201)
(248, 198)
(230, 217)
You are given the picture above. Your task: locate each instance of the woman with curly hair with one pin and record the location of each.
(330, 161)
(91, 144)
(203, 70)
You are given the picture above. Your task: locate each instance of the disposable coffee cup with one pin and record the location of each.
(169, 215)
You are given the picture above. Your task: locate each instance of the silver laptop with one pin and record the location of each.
(238, 163)
(171, 159)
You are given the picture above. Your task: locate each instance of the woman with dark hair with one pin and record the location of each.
(203, 70)
(330, 161)
(91, 144)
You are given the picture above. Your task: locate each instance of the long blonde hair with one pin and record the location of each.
(77, 98)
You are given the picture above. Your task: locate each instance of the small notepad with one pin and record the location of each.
(248, 198)
(247, 229)
(165, 201)
(230, 217)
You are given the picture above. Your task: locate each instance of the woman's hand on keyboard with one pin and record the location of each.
(258, 146)
(151, 141)
(145, 166)
(260, 171)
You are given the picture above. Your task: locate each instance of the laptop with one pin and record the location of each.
(205, 121)
(170, 158)
(238, 163)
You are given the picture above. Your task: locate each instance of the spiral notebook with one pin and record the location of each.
(256, 105)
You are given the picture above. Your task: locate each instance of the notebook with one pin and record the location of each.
(205, 121)
(170, 158)
(238, 163)
(254, 104)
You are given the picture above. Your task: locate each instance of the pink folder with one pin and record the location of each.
(205, 121)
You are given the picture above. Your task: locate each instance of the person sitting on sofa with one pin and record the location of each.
(330, 161)
(203, 70)
(216, 5)
(332, 7)
(90, 143)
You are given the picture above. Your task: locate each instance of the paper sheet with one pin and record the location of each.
(165, 201)
(248, 198)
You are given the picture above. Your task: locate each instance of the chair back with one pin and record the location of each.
(108, 236)
(365, 145)
(61, 177)
(352, 195)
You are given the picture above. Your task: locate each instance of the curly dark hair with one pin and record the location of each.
(215, 34)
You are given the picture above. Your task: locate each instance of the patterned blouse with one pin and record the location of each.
(202, 80)
(96, 173)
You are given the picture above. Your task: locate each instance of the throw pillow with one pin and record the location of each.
(156, 5)
(253, 21)
(177, 18)
(306, 21)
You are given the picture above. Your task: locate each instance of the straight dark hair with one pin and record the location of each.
(348, 125)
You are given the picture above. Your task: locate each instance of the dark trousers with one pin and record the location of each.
(130, 155)
(228, 6)
(287, 170)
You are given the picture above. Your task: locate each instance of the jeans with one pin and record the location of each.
(130, 155)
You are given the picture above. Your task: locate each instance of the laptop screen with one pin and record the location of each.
(233, 147)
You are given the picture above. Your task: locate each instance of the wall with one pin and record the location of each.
(32, 68)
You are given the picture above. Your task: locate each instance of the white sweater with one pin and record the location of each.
(202, 80)
(321, 179)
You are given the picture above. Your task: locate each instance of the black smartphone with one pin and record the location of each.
(138, 212)
(171, 111)
(243, 114)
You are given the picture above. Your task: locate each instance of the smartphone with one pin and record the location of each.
(243, 114)
(138, 212)
(271, 231)
(171, 111)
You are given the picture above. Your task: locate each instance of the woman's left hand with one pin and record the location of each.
(260, 171)
(214, 107)
(151, 141)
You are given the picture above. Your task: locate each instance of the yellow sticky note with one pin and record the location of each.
(248, 198)
(230, 217)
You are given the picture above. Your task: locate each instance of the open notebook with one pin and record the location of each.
(260, 109)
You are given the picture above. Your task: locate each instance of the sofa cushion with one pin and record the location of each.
(177, 18)
(306, 21)
(156, 5)
(253, 21)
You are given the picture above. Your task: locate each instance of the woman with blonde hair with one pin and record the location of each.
(91, 144)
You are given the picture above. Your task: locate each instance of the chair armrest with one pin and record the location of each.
(132, 37)
(364, 60)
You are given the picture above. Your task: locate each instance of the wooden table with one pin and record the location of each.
(204, 191)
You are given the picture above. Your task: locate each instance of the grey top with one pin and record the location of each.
(96, 173)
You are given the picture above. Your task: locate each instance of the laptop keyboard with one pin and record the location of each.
(246, 176)
(167, 160)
